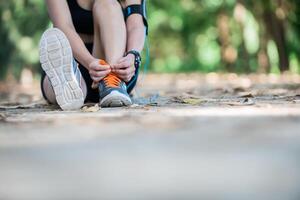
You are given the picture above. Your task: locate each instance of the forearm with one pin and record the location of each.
(135, 34)
(80, 52)
(61, 18)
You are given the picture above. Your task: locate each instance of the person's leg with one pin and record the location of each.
(63, 83)
(110, 45)
(110, 30)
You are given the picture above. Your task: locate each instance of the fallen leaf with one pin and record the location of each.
(94, 108)
(244, 102)
(239, 89)
(187, 100)
(2, 117)
(147, 108)
(248, 95)
(134, 106)
(177, 100)
(192, 101)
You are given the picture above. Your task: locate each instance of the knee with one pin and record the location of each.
(105, 5)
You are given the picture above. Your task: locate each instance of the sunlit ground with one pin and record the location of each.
(188, 136)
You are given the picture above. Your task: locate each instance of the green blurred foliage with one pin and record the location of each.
(22, 23)
(186, 35)
(242, 36)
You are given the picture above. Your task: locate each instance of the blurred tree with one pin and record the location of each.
(245, 31)
(242, 36)
(274, 17)
(22, 23)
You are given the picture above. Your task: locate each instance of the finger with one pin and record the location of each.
(121, 72)
(96, 79)
(125, 72)
(123, 78)
(99, 73)
(102, 74)
(126, 78)
(130, 77)
(131, 70)
(119, 65)
(125, 64)
(98, 67)
(129, 58)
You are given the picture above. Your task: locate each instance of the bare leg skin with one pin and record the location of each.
(110, 30)
(110, 44)
(98, 51)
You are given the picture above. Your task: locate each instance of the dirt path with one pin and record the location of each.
(187, 137)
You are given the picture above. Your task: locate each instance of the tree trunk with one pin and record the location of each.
(275, 27)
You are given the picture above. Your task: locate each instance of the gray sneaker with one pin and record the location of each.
(113, 92)
(58, 63)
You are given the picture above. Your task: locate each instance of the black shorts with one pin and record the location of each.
(92, 94)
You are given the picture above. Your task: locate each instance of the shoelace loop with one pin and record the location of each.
(112, 80)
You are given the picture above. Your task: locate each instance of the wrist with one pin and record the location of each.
(131, 57)
(136, 56)
(88, 61)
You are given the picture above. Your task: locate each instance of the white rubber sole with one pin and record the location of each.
(115, 99)
(57, 59)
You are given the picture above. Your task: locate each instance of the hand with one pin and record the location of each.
(98, 71)
(125, 68)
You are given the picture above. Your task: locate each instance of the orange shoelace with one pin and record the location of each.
(111, 80)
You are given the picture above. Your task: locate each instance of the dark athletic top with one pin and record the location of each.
(82, 18)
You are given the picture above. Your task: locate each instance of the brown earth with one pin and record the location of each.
(187, 136)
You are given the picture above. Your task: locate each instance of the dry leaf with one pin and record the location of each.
(187, 100)
(94, 108)
(244, 102)
(147, 108)
(247, 95)
(134, 106)
(192, 101)
(239, 89)
(2, 117)
(177, 100)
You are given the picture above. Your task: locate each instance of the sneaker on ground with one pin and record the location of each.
(58, 63)
(113, 92)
